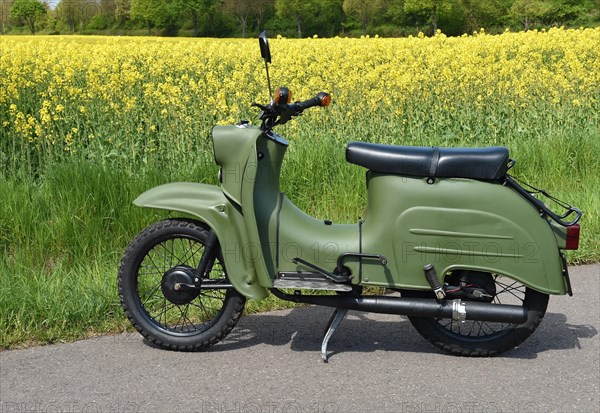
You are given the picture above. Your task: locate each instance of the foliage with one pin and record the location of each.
(297, 11)
(247, 12)
(29, 11)
(363, 10)
(76, 13)
(196, 9)
(88, 123)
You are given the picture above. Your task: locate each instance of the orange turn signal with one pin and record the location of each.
(283, 96)
(326, 100)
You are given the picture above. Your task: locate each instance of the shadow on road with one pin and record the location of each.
(554, 333)
(302, 329)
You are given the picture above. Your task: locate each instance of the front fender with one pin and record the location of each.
(209, 205)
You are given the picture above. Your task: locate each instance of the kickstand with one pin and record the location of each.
(335, 320)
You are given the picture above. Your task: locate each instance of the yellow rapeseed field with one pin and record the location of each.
(67, 93)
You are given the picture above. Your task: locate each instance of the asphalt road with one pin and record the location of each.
(271, 363)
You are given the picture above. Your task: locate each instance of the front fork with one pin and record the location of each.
(210, 254)
(211, 251)
(202, 275)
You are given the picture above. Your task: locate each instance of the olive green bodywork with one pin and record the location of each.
(453, 223)
(208, 204)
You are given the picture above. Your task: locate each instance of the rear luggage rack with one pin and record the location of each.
(529, 193)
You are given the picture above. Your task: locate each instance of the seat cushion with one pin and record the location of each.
(489, 163)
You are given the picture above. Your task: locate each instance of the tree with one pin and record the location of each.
(483, 13)
(29, 11)
(71, 12)
(4, 16)
(394, 12)
(196, 9)
(299, 11)
(244, 10)
(122, 10)
(328, 17)
(363, 10)
(428, 9)
(107, 9)
(261, 8)
(527, 11)
(241, 10)
(100, 14)
(154, 12)
(563, 11)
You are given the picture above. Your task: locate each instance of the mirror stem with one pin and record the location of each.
(269, 81)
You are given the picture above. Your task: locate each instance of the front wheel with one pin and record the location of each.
(156, 264)
(482, 338)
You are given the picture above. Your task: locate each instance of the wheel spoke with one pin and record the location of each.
(182, 318)
(193, 254)
(485, 324)
(163, 312)
(480, 327)
(150, 293)
(471, 330)
(188, 320)
(170, 254)
(206, 293)
(511, 293)
(510, 288)
(484, 329)
(143, 273)
(202, 308)
(157, 269)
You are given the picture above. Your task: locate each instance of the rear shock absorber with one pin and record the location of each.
(432, 279)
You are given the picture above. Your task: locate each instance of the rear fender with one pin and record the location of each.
(209, 205)
(457, 224)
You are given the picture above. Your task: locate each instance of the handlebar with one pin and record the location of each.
(279, 114)
(322, 99)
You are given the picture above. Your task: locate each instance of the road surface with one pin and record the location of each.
(271, 363)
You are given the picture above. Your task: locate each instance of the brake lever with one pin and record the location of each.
(258, 105)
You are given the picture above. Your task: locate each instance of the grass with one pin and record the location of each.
(62, 237)
(64, 231)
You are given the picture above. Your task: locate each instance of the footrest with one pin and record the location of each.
(310, 285)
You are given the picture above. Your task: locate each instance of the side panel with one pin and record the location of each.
(232, 145)
(208, 204)
(303, 236)
(255, 243)
(267, 199)
(284, 231)
(456, 224)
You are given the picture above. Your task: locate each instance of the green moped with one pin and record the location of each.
(455, 243)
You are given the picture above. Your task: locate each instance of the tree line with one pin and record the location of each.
(291, 18)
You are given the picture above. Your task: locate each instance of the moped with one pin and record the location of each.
(450, 240)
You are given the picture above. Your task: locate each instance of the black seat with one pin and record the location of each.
(475, 163)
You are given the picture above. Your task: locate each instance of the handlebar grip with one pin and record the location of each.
(322, 99)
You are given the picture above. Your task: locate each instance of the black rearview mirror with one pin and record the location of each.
(265, 51)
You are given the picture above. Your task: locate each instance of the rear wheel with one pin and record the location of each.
(156, 264)
(482, 338)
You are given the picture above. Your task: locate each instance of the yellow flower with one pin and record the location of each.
(187, 85)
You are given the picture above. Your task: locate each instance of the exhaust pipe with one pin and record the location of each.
(417, 307)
